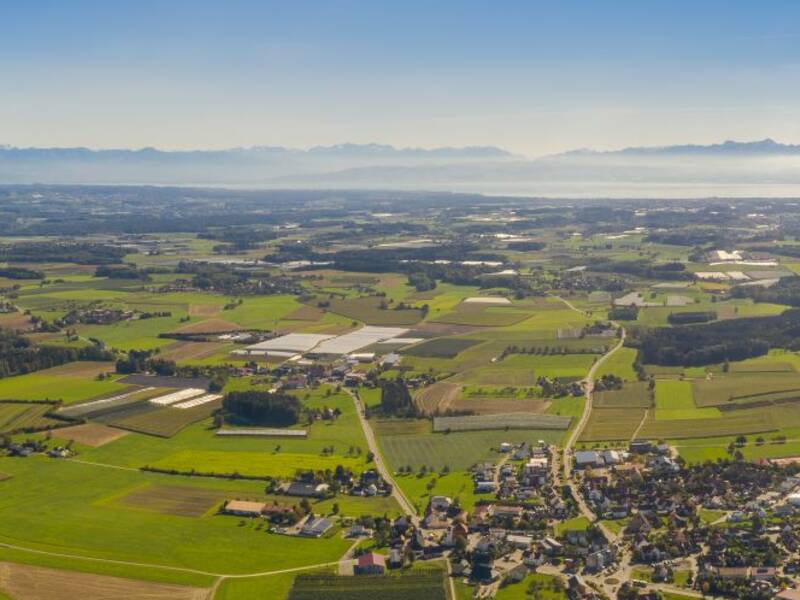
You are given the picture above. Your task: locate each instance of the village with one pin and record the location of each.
(643, 524)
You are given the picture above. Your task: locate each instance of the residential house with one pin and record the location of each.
(370, 564)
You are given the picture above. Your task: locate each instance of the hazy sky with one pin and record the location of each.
(533, 77)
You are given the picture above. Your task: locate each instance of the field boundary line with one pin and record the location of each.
(106, 465)
(164, 567)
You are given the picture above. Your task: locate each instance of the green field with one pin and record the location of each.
(456, 450)
(609, 424)
(675, 400)
(734, 388)
(256, 588)
(166, 421)
(634, 395)
(746, 422)
(504, 421)
(65, 506)
(482, 316)
(14, 416)
(56, 384)
(442, 347)
(367, 310)
(279, 464)
(620, 364)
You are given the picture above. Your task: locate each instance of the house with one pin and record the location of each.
(355, 379)
(440, 502)
(551, 547)
(395, 558)
(763, 573)
(275, 510)
(733, 573)
(294, 382)
(514, 512)
(456, 532)
(521, 542)
(359, 530)
(484, 487)
(664, 463)
(370, 564)
(517, 574)
(436, 521)
(316, 527)
(638, 524)
(599, 560)
(536, 468)
(241, 508)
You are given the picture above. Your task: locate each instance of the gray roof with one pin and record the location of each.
(583, 457)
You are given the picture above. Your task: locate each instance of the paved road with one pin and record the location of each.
(406, 506)
(588, 387)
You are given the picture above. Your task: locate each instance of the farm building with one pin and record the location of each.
(243, 508)
(391, 360)
(305, 490)
(370, 564)
(588, 458)
(316, 527)
(640, 446)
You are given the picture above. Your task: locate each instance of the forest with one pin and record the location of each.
(262, 408)
(734, 339)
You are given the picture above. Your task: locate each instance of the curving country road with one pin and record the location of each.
(588, 386)
(406, 506)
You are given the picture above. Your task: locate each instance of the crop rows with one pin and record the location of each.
(501, 421)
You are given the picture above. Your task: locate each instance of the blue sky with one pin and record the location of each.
(534, 77)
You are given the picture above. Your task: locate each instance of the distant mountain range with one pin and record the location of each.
(753, 168)
(765, 147)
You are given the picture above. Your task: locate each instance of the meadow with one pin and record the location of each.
(675, 400)
(441, 347)
(368, 310)
(457, 450)
(634, 395)
(69, 383)
(66, 506)
(609, 424)
(17, 415)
